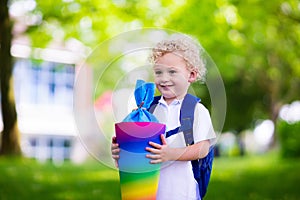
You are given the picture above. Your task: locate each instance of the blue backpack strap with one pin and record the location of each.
(202, 167)
(187, 117)
(151, 110)
(154, 104)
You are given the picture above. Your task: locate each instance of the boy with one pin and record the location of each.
(177, 64)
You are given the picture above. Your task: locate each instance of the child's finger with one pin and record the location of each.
(114, 139)
(115, 151)
(115, 156)
(152, 150)
(155, 145)
(115, 146)
(163, 139)
(153, 156)
(156, 161)
(116, 164)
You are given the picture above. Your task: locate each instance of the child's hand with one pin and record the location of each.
(160, 153)
(115, 150)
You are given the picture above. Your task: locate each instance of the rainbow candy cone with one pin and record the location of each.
(138, 178)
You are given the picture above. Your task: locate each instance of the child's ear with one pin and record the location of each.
(193, 76)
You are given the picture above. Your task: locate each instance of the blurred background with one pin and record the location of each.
(255, 45)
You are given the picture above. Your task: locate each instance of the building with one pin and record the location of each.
(44, 94)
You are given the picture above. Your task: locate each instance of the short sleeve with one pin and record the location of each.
(203, 128)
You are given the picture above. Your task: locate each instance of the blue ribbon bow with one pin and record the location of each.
(144, 94)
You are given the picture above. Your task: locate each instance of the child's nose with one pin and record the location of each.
(165, 77)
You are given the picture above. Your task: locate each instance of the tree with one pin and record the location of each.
(10, 143)
(90, 22)
(254, 44)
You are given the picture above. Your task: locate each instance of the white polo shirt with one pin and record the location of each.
(176, 177)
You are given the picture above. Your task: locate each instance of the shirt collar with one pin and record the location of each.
(175, 102)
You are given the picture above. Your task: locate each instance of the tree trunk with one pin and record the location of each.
(10, 142)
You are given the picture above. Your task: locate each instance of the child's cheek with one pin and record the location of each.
(157, 80)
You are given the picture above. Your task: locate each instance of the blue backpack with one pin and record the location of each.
(202, 167)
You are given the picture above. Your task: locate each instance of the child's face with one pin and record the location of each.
(171, 76)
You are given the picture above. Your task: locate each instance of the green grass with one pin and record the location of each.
(264, 177)
(251, 177)
(27, 179)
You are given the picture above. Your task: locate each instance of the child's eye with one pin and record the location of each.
(158, 72)
(172, 72)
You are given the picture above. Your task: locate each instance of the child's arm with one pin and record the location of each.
(162, 153)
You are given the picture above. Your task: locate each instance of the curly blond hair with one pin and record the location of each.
(184, 46)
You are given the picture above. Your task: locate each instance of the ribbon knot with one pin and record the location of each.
(144, 94)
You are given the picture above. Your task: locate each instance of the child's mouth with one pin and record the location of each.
(165, 87)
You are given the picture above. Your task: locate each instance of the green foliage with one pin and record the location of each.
(254, 43)
(289, 136)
